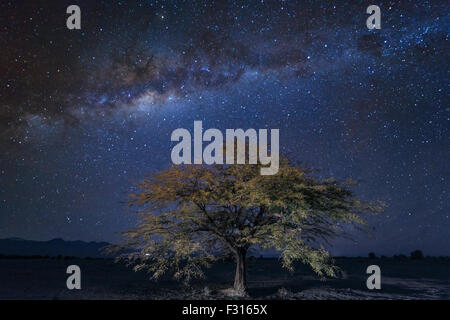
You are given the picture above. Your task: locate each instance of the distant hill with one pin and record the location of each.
(55, 247)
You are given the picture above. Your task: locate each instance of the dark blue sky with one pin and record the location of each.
(84, 112)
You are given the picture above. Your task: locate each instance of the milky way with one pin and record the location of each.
(85, 112)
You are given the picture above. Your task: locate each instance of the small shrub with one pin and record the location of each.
(416, 255)
(206, 291)
(284, 293)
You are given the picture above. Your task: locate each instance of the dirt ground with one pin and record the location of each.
(105, 279)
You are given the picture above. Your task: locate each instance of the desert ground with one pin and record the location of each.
(104, 279)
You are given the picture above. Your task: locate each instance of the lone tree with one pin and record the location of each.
(193, 215)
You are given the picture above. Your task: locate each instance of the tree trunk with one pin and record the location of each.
(240, 278)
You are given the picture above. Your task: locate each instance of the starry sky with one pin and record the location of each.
(85, 112)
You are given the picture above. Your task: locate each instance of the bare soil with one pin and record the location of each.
(104, 279)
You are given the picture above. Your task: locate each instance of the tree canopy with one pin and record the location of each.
(192, 215)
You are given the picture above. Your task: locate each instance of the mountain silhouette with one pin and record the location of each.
(54, 247)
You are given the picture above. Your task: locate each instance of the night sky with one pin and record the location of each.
(84, 112)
